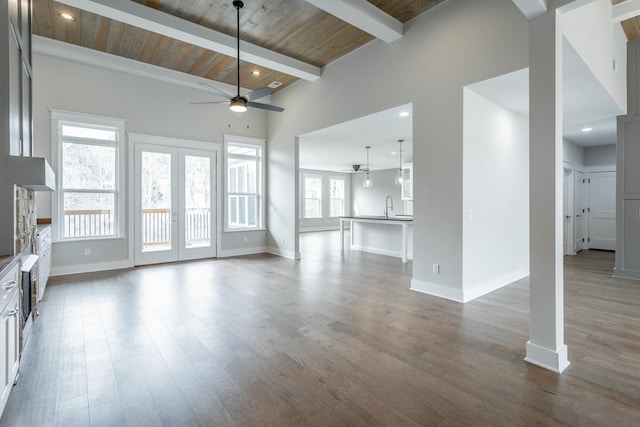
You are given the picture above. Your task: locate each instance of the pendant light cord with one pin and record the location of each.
(238, 43)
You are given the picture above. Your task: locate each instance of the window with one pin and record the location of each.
(336, 190)
(244, 183)
(89, 157)
(312, 196)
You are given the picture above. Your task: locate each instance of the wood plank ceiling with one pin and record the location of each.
(631, 26)
(293, 28)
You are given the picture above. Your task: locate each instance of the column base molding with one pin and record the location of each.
(556, 361)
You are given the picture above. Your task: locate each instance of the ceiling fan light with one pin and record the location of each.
(238, 105)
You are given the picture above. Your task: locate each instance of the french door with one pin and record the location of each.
(174, 203)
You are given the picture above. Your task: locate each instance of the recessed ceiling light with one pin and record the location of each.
(404, 114)
(67, 16)
(256, 73)
(587, 129)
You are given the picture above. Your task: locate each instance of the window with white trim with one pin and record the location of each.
(89, 162)
(244, 187)
(312, 196)
(336, 195)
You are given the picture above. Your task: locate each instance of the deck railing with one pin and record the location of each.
(156, 225)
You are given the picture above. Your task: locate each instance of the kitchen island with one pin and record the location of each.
(380, 224)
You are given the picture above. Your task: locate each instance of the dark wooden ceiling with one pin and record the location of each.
(293, 28)
(631, 26)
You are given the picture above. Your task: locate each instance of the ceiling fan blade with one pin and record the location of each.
(215, 89)
(265, 106)
(210, 102)
(258, 93)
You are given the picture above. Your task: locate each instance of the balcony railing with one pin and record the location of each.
(156, 225)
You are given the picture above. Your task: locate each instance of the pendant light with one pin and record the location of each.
(367, 179)
(399, 177)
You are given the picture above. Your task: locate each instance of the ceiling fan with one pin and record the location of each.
(238, 103)
(355, 169)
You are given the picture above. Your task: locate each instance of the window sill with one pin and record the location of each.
(244, 230)
(90, 239)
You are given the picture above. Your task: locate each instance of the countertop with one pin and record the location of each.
(381, 218)
(7, 262)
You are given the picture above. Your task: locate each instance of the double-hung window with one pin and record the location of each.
(312, 196)
(336, 190)
(89, 163)
(244, 158)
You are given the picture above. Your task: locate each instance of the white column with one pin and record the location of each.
(546, 346)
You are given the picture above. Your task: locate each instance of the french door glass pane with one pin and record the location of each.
(197, 198)
(156, 201)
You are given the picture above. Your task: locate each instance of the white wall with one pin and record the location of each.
(572, 152)
(326, 222)
(149, 107)
(589, 29)
(496, 196)
(371, 200)
(600, 155)
(454, 44)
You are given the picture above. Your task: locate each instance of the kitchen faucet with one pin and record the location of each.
(386, 206)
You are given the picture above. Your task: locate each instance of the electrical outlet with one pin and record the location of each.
(469, 214)
(87, 251)
(436, 269)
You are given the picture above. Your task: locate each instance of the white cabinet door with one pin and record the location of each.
(9, 341)
(602, 215)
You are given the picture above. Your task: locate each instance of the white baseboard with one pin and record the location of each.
(326, 228)
(474, 291)
(242, 251)
(395, 254)
(556, 361)
(626, 274)
(437, 290)
(90, 268)
(283, 253)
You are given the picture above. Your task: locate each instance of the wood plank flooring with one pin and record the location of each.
(334, 339)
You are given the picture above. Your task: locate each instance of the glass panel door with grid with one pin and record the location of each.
(174, 204)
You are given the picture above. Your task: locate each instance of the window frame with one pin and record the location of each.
(260, 145)
(304, 195)
(60, 118)
(344, 194)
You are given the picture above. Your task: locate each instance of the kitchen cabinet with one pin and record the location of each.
(9, 331)
(19, 78)
(407, 181)
(43, 248)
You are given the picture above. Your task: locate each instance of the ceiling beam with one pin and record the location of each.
(150, 19)
(531, 8)
(363, 15)
(625, 10)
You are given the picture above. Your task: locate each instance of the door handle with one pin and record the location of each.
(9, 285)
(578, 216)
(568, 217)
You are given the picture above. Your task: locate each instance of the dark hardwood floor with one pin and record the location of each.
(330, 340)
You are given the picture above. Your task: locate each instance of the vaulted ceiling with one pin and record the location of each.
(292, 30)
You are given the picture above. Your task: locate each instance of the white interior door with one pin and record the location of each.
(567, 212)
(174, 204)
(602, 215)
(581, 211)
